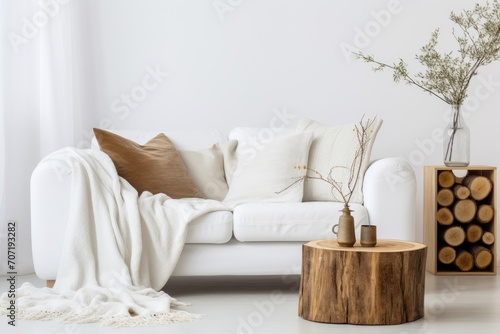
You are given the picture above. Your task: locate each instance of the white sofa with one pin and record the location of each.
(254, 239)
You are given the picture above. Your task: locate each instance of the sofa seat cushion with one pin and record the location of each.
(211, 228)
(291, 221)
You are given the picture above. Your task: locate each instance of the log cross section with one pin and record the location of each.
(382, 285)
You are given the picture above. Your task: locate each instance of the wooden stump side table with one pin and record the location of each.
(381, 285)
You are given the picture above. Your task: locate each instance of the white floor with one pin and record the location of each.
(253, 305)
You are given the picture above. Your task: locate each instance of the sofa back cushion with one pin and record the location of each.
(265, 169)
(335, 146)
(206, 166)
(249, 141)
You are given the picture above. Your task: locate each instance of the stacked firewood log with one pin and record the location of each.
(465, 217)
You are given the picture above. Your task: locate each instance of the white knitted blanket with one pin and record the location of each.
(119, 251)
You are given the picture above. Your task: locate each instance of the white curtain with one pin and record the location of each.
(59, 84)
(40, 95)
(3, 235)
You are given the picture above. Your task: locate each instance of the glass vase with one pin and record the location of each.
(456, 140)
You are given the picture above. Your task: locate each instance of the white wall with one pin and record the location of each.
(236, 68)
(18, 124)
(268, 55)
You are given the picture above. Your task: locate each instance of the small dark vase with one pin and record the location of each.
(368, 235)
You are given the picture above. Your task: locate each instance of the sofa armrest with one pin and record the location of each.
(389, 190)
(50, 205)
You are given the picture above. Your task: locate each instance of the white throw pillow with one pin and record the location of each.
(334, 146)
(206, 167)
(228, 150)
(247, 139)
(265, 169)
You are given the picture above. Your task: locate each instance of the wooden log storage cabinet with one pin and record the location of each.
(460, 220)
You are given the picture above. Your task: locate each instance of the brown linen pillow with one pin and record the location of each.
(155, 166)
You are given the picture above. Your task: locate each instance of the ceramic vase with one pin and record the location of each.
(368, 235)
(344, 230)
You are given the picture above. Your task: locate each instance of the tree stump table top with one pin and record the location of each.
(378, 285)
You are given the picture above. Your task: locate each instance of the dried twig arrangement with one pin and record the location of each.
(447, 75)
(342, 192)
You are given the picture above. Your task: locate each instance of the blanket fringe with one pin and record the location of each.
(154, 319)
(173, 316)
